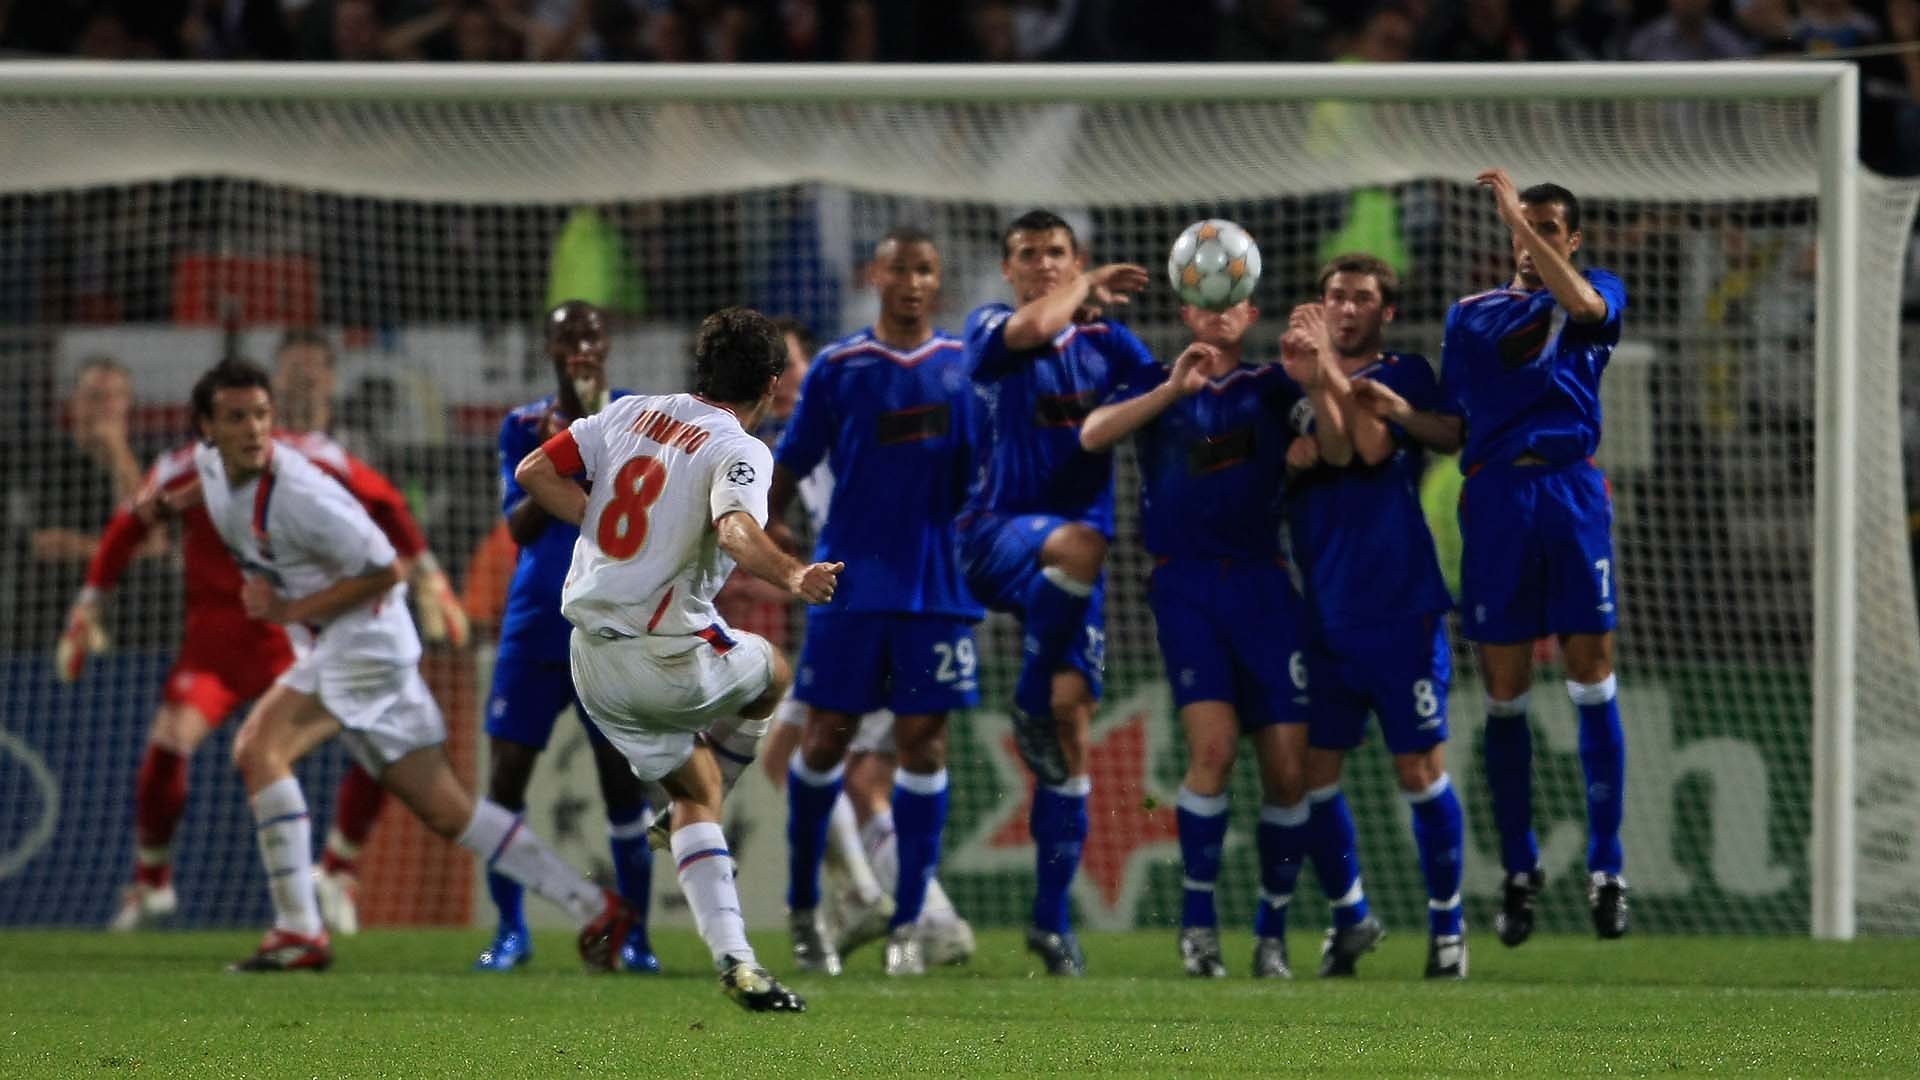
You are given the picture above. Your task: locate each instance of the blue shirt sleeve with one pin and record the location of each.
(1614, 292)
(1128, 361)
(516, 442)
(988, 357)
(810, 429)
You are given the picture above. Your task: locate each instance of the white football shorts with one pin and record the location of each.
(651, 695)
(386, 709)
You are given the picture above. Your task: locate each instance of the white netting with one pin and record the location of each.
(425, 238)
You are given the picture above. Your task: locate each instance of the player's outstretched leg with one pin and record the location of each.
(1509, 764)
(1334, 849)
(336, 882)
(283, 725)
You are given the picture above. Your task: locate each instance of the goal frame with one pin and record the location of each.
(1832, 85)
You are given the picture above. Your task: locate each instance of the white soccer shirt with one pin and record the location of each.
(302, 530)
(663, 470)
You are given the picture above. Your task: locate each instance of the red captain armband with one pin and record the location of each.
(564, 453)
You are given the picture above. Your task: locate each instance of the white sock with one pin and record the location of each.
(506, 845)
(706, 877)
(844, 849)
(939, 906)
(876, 836)
(285, 834)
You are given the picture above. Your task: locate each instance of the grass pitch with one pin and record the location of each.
(402, 1004)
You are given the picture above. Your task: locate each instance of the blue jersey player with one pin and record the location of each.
(532, 683)
(1212, 442)
(1378, 607)
(1523, 363)
(1035, 532)
(890, 410)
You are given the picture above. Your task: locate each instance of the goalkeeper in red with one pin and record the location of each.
(1523, 362)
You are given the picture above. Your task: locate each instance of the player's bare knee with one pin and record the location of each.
(920, 742)
(1209, 765)
(1589, 657)
(1416, 772)
(1322, 768)
(179, 729)
(824, 742)
(1075, 549)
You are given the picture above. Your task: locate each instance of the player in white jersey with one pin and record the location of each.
(316, 563)
(678, 496)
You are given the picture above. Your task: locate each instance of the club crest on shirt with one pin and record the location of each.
(740, 473)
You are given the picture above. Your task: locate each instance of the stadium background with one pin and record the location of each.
(430, 304)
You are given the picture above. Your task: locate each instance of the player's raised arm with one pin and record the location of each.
(1307, 355)
(1544, 242)
(1082, 296)
(1110, 423)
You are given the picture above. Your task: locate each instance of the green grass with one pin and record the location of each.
(401, 1004)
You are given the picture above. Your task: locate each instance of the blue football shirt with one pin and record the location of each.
(1526, 377)
(895, 429)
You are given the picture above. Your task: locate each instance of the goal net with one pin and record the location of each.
(422, 219)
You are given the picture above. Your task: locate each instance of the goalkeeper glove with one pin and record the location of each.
(82, 638)
(441, 617)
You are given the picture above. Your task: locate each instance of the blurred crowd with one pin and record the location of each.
(1002, 30)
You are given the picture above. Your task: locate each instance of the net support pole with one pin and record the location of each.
(1836, 510)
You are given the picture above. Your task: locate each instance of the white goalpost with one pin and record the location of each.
(422, 216)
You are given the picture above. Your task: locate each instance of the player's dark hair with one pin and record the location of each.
(1569, 203)
(736, 353)
(565, 313)
(1359, 262)
(232, 373)
(801, 332)
(902, 235)
(1037, 221)
(299, 337)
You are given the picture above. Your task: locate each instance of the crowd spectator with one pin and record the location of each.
(1688, 31)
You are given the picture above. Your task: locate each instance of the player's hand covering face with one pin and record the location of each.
(577, 343)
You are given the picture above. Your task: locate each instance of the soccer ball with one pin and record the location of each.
(1214, 264)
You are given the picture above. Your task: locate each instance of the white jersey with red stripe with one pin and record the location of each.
(297, 526)
(663, 470)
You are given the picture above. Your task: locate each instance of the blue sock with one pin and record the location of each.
(1336, 855)
(632, 859)
(1603, 757)
(1056, 612)
(919, 817)
(1203, 831)
(1439, 834)
(1282, 836)
(510, 897)
(810, 798)
(1059, 828)
(1510, 781)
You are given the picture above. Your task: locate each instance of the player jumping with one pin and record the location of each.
(532, 684)
(889, 408)
(1524, 364)
(1213, 438)
(1378, 607)
(1034, 535)
(316, 563)
(679, 494)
